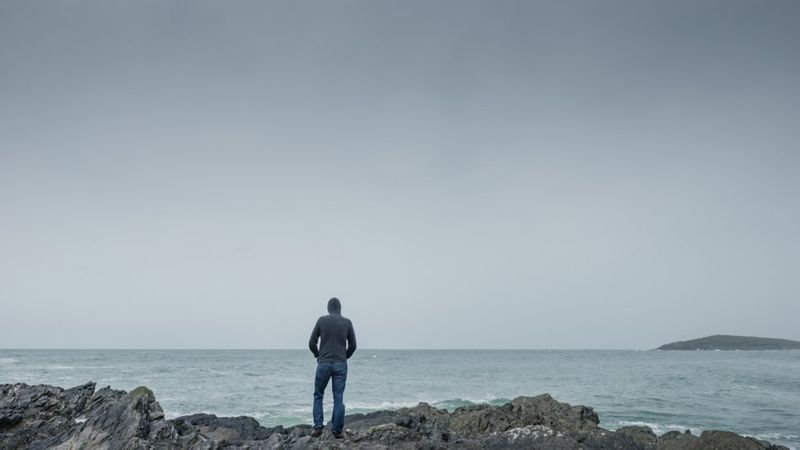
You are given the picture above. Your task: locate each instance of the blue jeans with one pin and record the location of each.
(326, 371)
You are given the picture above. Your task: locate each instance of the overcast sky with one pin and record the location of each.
(461, 174)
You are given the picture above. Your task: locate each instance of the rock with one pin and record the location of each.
(521, 412)
(712, 440)
(545, 410)
(229, 429)
(36, 414)
(39, 417)
(725, 440)
(675, 440)
(118, 420)
(8, 419)
(642, 436)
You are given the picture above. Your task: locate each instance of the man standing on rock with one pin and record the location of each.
(337, 344)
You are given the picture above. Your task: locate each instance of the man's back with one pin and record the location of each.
(337, 340)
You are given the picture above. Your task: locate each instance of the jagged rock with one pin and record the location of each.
(229, 429)
(33, 415)
(725, 440)
(8, 419)
(118, 420)
(39, 417)
(642, 436)
(675, 440)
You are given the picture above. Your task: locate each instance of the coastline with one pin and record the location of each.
(43, 416)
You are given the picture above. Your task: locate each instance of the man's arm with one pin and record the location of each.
(312, 342)
(351, 341)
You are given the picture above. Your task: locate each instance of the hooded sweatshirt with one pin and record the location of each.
(335, 333)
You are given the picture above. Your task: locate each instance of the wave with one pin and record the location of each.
(376, 406)
(452, 404)
(8, 360)
(209, 371)
(777, 438)
(174, 414)
(448, 404)
(658, 428)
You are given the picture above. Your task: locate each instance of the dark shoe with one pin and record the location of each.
(338, 435)
(317, 432)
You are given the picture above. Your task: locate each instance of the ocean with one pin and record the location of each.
(756, 393)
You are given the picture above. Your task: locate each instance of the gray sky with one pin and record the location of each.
(513, 174)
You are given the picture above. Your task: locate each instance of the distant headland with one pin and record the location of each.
(727, 342)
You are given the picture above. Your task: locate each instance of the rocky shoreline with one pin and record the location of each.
(83, 417)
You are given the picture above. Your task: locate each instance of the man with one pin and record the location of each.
(332, 331)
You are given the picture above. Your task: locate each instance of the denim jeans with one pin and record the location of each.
(338, 372)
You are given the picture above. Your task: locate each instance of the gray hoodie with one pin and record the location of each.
(333, 331)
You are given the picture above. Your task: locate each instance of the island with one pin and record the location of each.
(83, 417)
(728, 342)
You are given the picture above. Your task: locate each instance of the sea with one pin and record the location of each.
(755, 393)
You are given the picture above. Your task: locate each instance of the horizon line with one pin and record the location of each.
(305, 349)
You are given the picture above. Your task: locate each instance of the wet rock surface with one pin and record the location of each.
(83, 417)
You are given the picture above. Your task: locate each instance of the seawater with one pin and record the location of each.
(755, 393)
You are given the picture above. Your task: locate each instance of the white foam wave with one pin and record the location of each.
(382, 405)
(437, 403)
(489, 399)
(8, 360)
(389, 405)
(660, 429)
(359, 407)
(210, 371)
(777, 438)
(352, 407)
(174, 414)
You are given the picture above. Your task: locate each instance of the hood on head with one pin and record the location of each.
(334, 306)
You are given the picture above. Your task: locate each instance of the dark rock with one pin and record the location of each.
(37, 414)
(544, 410)
(642, 436)
(675, 440)
(725, 440)
(230, 429)
(39, 417)
(119, 420)
(9, 419)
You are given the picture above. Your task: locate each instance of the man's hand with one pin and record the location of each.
(312, 342)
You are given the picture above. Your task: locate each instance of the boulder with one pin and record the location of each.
(642, 436)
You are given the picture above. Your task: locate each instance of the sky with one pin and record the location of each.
(461, 174)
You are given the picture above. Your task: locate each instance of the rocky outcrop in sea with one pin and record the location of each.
(48, 417)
